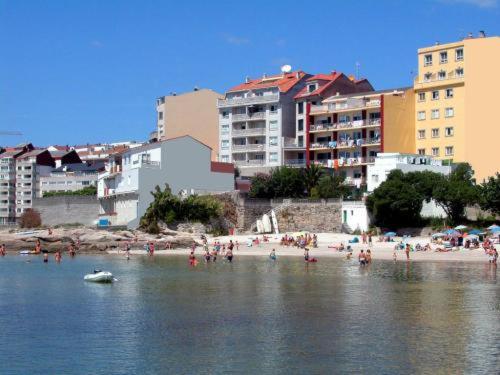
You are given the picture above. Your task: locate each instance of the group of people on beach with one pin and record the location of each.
(218, 249)
(301, 241)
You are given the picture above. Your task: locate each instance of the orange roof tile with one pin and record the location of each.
(284, 82)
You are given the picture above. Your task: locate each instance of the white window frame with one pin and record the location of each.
(421, 134)
(435, 97)
(421, 115)
(435, 151)
(275, 122)
(435, 114)
(421, 151)
(441, 75)
(445, 59)
(224, 144)
(271, 154)
(461, 58)
(449, 151)
(421, 96)
(448, 93)
(273, 143)
(435, 133)
(446, 112)
(428, 59)
(449, 131)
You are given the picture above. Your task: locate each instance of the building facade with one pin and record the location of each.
(317, 88)
(455, 91)
(193, 113)
(69, 177)
(255, 117)
(124, 189)
(346, 132)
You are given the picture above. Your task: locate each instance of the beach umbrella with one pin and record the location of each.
(495, 230)
(493, 226)
(472, 236)
(460, 227)
(390, 234)
(475, 231)
(436, 235)
(451, 232)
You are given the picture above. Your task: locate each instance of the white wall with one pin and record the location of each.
(355, 215)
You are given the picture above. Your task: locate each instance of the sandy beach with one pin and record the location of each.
(380, 250)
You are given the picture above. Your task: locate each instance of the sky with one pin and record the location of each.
(89, 71)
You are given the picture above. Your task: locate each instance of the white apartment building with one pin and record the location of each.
(124, 189)
(69, 177)
(254, 119)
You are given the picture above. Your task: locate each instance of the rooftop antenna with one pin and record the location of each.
(357, 69)
(286, 69)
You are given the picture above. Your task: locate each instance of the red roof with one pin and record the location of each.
(284, 82)
(324, 81)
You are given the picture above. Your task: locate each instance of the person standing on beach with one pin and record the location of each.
(231, 245)
(363, 237)
(272, 256)
(306, 254)
(407, 251)
(370, 240)
(229, 255)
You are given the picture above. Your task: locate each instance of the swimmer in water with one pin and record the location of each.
(272, 256)
(45, 257)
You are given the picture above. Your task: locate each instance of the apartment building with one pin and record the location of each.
(317, 88)
(192, 113)
(455, 92)
(346, 132)
(69, 177)
(124, 189)
(254, 116)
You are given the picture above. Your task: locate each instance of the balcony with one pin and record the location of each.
(344, 107)
(298, 163)
(250, 131)
(294, 145)
(349, 143)
(359, 124)
(249, 162)
(351, 181)
(256, 99)
(435, 81)
(345, 162)
(249, 116)
(249, 147)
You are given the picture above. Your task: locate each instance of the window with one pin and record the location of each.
(421, 151)
(224, 144)
(421, 134)
(300, 107)
(449, 112)
(224, 129)
(273, 141)
(421, 96)
(300, 125)
(427, 77)
(459, 72)
(225, 114)
(311, 87)
(273, 157)
(85, 183)
(435, 151)
(300, 141)
(441, 75)
(443, 57)
(160, 115)
(449, 93)
(459, 54)
(435, 114)
(435, 133)
(448, 150)
(273, 125)
(435, 95)
(420, 115)
(225, 158)
(428, 60)
(448, 131)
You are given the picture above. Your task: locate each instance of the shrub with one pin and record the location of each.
(88, 190)
(30, 219)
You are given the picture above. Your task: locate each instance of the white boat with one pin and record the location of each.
(99, 277)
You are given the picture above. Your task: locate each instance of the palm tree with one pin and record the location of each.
(312, 174)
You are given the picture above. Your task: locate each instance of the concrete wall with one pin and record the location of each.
(398, 130)
(355, 215)
(67, 209)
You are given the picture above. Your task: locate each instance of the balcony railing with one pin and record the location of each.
(295, 162)
(249, 162)
(250, 131)
(344, 125)
(345, 162)
(299, 145)
(249, 147)
(257, 99)
(345, 143)
(335, 107)
(249, 116)
(435, 78)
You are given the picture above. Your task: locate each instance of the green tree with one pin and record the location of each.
(260, 186)
(395, 203)
(312, 175)
(489, 194)
(287, 183)
(331, 187)
(456, 191)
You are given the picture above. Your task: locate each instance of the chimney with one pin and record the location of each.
(297, 75)
(482, 34)
(264, 76)
(247, 79)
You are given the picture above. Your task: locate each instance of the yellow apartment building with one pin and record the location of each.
(192, 113)
(455, 98)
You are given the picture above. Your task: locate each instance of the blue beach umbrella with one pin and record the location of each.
(474, 231)
(493, 226)
(495, 230)
(390, 234)
(451, 232)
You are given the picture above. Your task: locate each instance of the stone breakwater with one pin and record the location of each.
(92, 240)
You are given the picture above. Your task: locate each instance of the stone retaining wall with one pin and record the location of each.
(67, 209)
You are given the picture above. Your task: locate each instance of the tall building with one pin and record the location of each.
(254, 117)
(317, 88)
(455, 92)
(346, 132)
(192, 113)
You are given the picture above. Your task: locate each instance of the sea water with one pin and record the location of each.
(252, 316)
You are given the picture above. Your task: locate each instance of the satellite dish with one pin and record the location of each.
(286, 68)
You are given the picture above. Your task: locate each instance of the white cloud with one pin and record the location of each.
(478, 3)
(236, 40)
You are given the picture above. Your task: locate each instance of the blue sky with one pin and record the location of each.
(89, 71)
